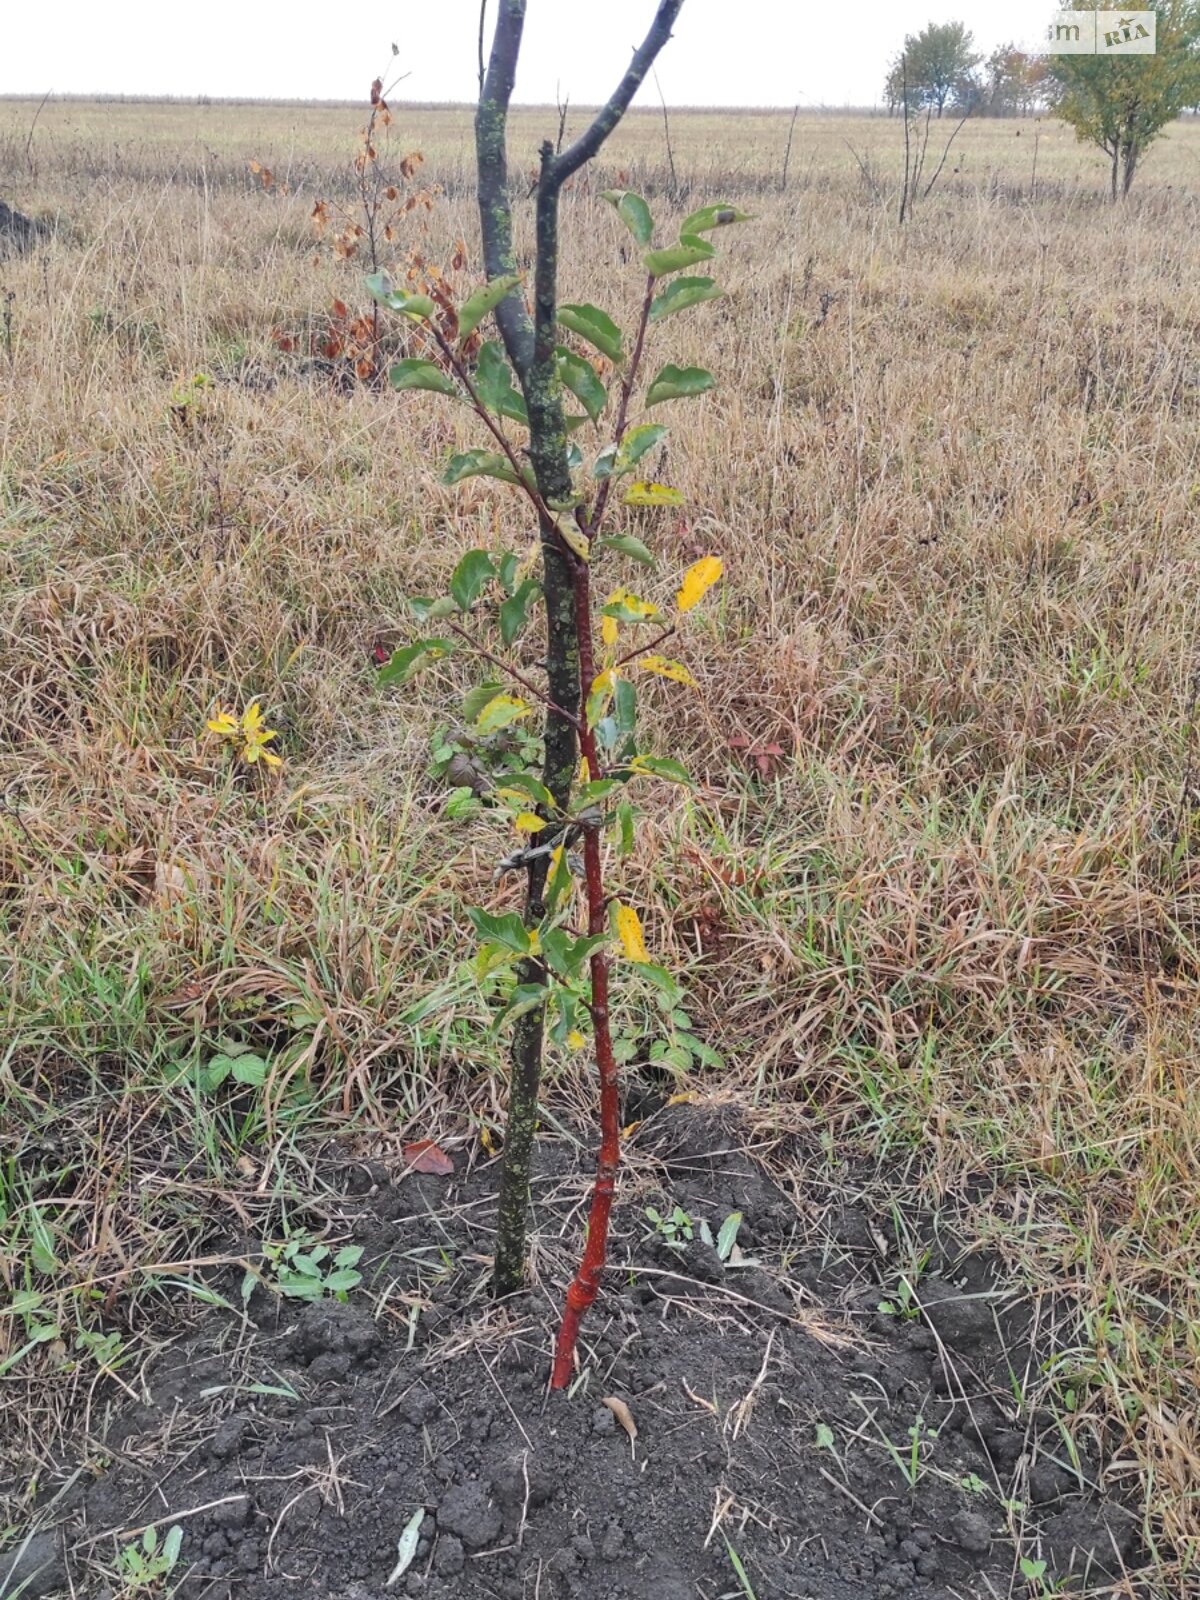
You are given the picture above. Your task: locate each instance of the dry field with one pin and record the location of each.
(951, 934)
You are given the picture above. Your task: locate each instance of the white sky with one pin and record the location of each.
(748, 52)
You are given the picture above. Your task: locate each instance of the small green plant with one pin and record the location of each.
(902, 1303)
(1034, 1573)
(743, 1577)
(301, 1269)
(144, 1565)
(910, 1459)
(725, 1243)
(676, 1230)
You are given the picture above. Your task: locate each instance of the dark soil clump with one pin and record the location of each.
(18, 233)
(838, 1452)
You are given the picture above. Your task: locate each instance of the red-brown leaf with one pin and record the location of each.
(425, 1156)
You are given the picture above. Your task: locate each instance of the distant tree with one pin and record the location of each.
(935, 64)
(1122, 103)
(1013, 83)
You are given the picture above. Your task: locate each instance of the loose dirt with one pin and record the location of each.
(784, 1424)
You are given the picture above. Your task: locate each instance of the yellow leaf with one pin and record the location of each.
(668, 669)
(226, 724)
(629, 931)
(574, 539)
(575, 1039)
(526, 822)
(652, 494)
(688, 1097)
(608, 632)
(535, 942)
(499, 712)
(585, 772)
(528, 561)
(486, 1140)
(698, 580)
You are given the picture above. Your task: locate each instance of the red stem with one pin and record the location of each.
(586, 1284)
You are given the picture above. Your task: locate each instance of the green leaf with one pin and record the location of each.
(661, 980)
(172, 1545)
(525, 997)
(596, 326)
(678, 383)
(565, 1022)
(495, 387)
(528, 784)
(415, 374)
(476, 307)
(681, 294)
(675, 257)
(382, 290)
(507, 930)
(559, 882)
(339, 1282)
(408, 660)
(710, 217)
(481, 695)
(429, 610)
(506, 570)
(479, 464)
(628, 546)
(556, 946)
(472, 572)
(513, 611)
(727, 1237)
(633, 212)
(625, 822)
(625, 706)
(251, 1070)
(661, 767)
(638, 442)
(579, 376)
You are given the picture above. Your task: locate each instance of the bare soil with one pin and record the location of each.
(842, 1452)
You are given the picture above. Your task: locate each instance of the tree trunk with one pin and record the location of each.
(530, 344)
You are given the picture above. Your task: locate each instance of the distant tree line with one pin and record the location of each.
(939, 70)
(1119, 103)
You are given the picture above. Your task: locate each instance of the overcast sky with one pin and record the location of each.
(724, 52)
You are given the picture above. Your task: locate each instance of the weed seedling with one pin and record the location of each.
(144, 1565)
(303, 1270)
(676, 1230)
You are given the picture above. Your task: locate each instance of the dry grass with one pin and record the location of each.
(953, 474)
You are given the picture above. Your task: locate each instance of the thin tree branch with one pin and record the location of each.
(626, 392)
(493, 427)
(517, 677)
(589, 142)
(642, 648)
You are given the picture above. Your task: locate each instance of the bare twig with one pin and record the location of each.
(667, 132)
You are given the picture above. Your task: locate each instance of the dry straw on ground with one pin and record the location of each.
(953, 473)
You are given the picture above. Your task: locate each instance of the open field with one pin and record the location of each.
(947, 941)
